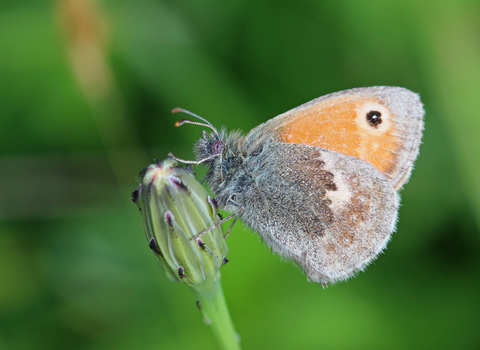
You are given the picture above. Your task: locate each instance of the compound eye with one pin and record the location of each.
(216, 147)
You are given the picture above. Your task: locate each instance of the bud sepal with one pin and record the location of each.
(174, 208)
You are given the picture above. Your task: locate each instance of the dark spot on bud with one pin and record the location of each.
(374, 118)
(169, 218)
(198, 305)
(225, 260)
(181, 273)
(201, 244)
(134, 196)
(213, 201)
(141, 174)
(153, 246)
(175, 180)
(216, 147)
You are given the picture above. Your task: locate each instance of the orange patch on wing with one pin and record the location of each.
(341, 125)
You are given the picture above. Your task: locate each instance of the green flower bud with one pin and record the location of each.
(174, 208)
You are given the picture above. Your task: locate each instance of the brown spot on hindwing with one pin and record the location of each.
(328, 212)
(302, 169)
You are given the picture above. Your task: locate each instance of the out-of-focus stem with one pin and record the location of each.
(85, 30)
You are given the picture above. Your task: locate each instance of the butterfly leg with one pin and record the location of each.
(203, 180)
(198, 235)
(230, 228)
(236, 215)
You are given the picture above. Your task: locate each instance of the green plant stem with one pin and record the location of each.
(213, 305)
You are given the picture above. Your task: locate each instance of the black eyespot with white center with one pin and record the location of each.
(374, 119)
(216, 147)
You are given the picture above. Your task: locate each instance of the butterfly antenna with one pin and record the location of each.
(186, 121)
(206, 124)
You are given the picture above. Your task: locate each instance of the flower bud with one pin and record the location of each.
(174, 208)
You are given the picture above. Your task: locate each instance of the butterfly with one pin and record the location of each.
(320, 182)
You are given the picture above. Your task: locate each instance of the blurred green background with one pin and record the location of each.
(85, 93)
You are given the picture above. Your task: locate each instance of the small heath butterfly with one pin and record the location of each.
(320, 182)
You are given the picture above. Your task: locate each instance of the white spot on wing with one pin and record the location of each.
(342, 195)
